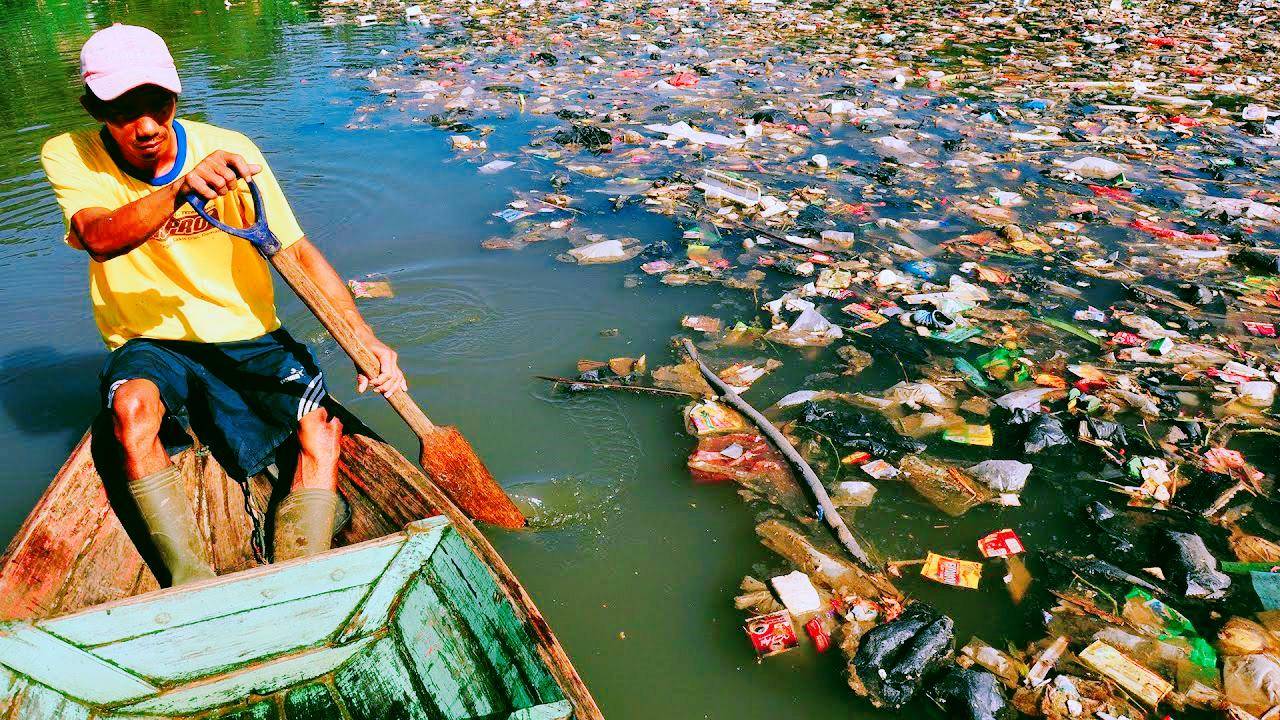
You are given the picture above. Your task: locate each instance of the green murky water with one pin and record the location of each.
(637, 568)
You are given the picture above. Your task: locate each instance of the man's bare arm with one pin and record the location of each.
(390, 378)
(105, 234)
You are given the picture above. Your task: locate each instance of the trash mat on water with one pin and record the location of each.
(1020, 260)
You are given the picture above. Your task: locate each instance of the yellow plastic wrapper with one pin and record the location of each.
(1143, 684)
(970, 435)
(711, 418)
(951, 571)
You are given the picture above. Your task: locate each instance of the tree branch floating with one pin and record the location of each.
(616, 386)
(829, 512)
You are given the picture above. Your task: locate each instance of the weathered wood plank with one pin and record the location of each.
(367, 519)
(34, 568)
(38, 702)
(191, 467)
(259, 679)
(446, 659)
(375, 685)
(11, 687)
(550, 711)
(143, 582)
(108, 570)
(230, 528)
(369, 462)
(311, 702)
(227, 595)
(46, 659)
(222, 643)
(468, 587)
(413, 497)
(372, 614)
(493, 647)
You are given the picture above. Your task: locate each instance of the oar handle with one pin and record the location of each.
(296, 277)
(259, 235)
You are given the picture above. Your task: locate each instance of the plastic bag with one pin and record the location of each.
(896, 658)
(605, 251)
(1005, 476)
(998, 663)
(1095, 168)
(1046, 432)
(1188, 563)
(927, 423)
(1252, 682)
(949, 488)
(709, 417)
(1246, 637)
(969, 694)
(853, 430)
(915, 395)
(853, 493)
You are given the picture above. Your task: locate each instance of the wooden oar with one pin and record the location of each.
(446, 456)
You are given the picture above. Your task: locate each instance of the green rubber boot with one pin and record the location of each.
(171, 521)
(305, 523)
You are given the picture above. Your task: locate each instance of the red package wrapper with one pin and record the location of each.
(856, 458)
(771, 634)
(1260, 329)
(1127, 339)
(821, 640)
(1165, 233)
(1001, 543)
(1090, 386)
(890, 609)
(683, 80)
(739, 457)
(1112, 193)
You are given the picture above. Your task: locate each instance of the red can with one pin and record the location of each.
(821, 640)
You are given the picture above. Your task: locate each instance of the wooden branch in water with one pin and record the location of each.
(829, 512)
(616, 386)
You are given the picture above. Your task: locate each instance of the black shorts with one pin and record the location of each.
(242, 399)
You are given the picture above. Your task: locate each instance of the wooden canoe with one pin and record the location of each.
(412, 615)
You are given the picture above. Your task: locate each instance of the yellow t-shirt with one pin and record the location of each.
(189, 281)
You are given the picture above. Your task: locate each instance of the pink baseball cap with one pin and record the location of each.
(120, 58)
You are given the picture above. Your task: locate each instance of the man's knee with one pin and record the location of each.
(136, 411)
(319, 434)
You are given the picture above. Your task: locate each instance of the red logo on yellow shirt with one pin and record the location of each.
(189, 224)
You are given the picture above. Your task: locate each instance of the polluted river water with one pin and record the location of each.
(635, 565)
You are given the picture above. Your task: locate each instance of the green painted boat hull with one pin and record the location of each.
(408, 626)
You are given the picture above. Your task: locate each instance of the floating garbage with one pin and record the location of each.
(1001, 543)
(771, 634)
(952, 571)
(971, 695)
(370, 289)
(896, 658)
(1019, 260)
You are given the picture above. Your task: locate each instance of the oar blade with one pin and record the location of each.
(452, 464)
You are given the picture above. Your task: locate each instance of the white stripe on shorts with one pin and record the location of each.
(312, 396)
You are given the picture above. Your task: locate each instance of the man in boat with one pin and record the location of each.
(187, 310)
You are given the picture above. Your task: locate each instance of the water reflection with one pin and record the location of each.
(230, 59)
(47, 391)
